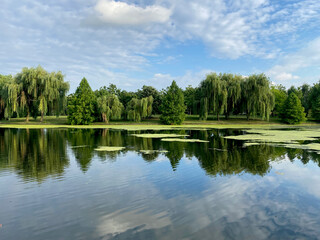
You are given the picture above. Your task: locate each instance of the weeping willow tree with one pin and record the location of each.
(233, 83)
(138, 109)
(214, 95)
(257, 98)
(6, 105)
(109, 107)
(34, 90)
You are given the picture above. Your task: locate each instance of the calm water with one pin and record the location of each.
(53, 185)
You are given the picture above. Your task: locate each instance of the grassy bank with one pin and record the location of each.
(192, 122)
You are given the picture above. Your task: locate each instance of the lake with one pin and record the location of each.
(54, 184)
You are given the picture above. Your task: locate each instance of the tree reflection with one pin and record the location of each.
(38, 154)
(34, 154)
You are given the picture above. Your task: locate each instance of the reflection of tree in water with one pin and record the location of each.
(82, 142)
(34, 154)
(37, 154)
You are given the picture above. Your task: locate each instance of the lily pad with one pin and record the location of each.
(156, 135)
(182, 140)
(109, 149)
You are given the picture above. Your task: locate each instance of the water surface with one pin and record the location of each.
(54, 185)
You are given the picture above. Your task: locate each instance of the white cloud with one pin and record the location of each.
(290, 64)
(161, 80)
(122, 13)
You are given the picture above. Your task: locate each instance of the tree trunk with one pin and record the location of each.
(41, 120)
(27, 118)
(248, 116)
(218, 116)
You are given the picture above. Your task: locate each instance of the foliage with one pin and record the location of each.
(125, 97)
(81, 105)
(233, 83)
(313, 100)
(6, 105)
(138, 109)
(109, 106)
(280, 95)
(35, 90)
(214, 94)
(316, 108)
(257, 98)
(190, 100)
(292, 111)
(148, 91)
(173, 107)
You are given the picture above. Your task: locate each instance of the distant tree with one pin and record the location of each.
(109, 107)
(190, 99)
(6, 105)
(214, 90)
(316, 109)
(296, 91)
(113, 89)
(137, 109)
(36, 90)
(233, 85)
(257, 98)
(280, 95)
(81, 105)
(312, 99)
(148, 91)
(173, 107)
(305, 101)
(292, 111)
(125, 97)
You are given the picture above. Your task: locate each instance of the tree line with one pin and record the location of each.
(35, 92)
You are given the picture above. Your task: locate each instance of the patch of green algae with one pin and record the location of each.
(109, 149)
(183, 140)
(248, 144)
(279, 136)
(149, 135)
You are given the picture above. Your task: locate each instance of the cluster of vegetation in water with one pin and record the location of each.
(34, 92)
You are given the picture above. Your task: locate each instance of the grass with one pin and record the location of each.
(192, 122)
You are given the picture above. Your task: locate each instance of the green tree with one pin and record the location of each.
(280, 95)
(312, 99)
(148, 91)
(173, 107)
(316, 109)
(233, 85)
(137, 109)
(7, 104)
(35, 90)
(81, 105)
(190, 99)
(292, 111)
(257, 98)
(305, 101)
(215, 91)
(109, 106)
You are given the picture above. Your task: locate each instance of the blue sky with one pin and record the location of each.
(152, 42)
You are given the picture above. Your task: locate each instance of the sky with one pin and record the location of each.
(152, 42)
